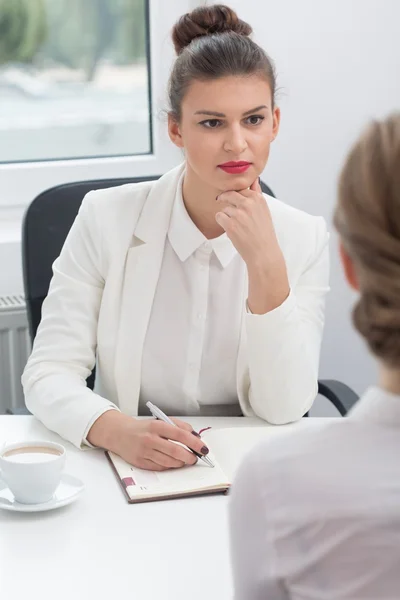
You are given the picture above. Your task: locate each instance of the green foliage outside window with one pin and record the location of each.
(74, 33)
(23, 29)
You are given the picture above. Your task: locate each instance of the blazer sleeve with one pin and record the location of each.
(284, 345)
(64, 350)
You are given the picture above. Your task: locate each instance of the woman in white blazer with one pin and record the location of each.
(196, 291)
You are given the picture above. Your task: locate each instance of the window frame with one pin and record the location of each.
(21, 182)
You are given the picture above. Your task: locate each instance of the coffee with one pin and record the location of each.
(31, 454)
(31, 457)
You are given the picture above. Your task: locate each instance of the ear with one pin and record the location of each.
(276, 119)
(348, 267)
(174, 132)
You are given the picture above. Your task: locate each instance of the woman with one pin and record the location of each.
(196, 292)
(323, 505)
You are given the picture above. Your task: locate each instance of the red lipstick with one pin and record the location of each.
(235, 166)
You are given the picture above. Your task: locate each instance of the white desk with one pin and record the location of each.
(103, 548)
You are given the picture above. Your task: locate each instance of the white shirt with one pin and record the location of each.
(192, 341)
(316, 514)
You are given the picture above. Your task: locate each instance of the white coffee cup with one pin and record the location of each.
(32, 470)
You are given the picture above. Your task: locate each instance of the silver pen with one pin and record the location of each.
(158, 414)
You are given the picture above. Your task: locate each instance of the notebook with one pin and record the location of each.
(227, 448)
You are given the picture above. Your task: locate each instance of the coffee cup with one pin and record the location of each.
(32, 470)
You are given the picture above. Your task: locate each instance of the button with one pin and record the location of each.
(199, 316)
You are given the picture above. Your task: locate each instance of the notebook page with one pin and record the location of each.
(142, 483)
(232, 444)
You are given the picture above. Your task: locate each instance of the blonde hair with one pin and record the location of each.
(367, 218)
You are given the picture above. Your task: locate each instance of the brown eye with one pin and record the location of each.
(255, 119)
(211, 123)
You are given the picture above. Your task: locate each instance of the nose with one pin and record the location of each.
(235, 140)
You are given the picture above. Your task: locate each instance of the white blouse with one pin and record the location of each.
(315, 513)
(192, 341)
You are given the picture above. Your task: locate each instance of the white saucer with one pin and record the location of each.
(70, 489)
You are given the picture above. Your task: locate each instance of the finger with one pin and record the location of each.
(231, 211)
(248, 194)
(170, 432)
(233, 198)
(182, 424)
(223, 220)
(174, 451)
(251, 195)
(186, 426)
(149, 465)
(255, 186)
(164, 460)
(240, 200)
(189, 440)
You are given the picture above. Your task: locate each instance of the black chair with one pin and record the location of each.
(46, 224)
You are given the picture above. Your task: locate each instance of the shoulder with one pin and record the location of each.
(122, 205)
(307, 458)
(288, 218)
(109, 216)
(302, 438)
(113, 213)
(125, 198)
(303, 237)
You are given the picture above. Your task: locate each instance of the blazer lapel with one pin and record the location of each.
(142, 270)
(141, 274)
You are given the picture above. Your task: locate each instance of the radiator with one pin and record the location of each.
(14, 351)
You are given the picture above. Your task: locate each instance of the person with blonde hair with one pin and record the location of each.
(316, 514)
(196, 292)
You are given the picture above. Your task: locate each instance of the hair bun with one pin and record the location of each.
(207, 20)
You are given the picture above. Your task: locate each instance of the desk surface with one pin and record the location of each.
(102, 547)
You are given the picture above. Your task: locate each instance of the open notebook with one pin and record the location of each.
(227, 448)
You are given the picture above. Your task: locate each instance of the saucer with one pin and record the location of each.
(69, 489)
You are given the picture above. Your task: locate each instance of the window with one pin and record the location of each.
(74, 79)
(25, 172)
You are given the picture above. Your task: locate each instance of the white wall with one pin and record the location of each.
(338, 65)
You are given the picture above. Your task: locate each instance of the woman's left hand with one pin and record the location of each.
(246, 218)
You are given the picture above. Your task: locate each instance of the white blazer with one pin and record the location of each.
(99, 302)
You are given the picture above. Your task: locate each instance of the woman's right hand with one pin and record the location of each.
(147, 444)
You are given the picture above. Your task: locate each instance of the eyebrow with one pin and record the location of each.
(212, 113)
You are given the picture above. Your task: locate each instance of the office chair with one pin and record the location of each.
(46, 224)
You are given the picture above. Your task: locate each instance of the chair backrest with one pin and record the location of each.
(45, 227)
(46, 224)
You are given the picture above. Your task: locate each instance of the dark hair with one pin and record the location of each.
(212, 42)
(367, 217)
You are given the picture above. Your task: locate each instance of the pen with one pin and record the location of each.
(158, 414)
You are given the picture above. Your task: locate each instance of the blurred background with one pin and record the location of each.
(74, 79)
